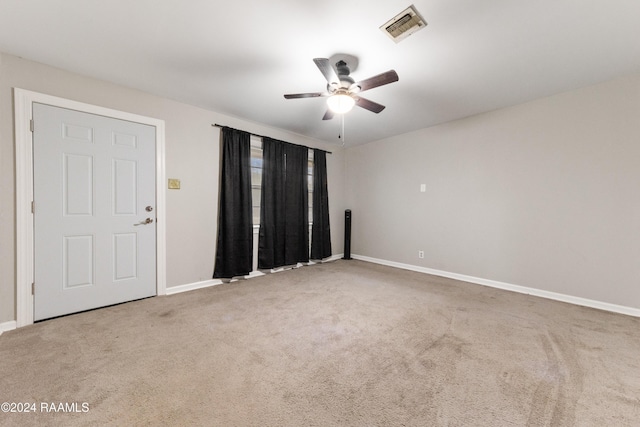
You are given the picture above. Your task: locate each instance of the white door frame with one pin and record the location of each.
(23, 114)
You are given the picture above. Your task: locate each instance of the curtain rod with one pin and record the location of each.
(262, 136)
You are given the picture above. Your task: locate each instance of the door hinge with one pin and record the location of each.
(31, 125)
(33, 288)
(33, 207)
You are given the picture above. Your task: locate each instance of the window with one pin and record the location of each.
(256, 179)
(310, 184)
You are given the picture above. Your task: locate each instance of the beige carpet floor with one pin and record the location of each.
(346, 343)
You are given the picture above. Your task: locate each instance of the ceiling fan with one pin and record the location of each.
(342, 90)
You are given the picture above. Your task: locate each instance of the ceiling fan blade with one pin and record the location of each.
(367, 104)
(328, 115)
(305, 95)
(379, 80)
(327, 70)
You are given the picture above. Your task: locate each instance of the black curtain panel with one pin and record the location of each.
(234, 253)
(296, 205)
(271, 237)
(284, 210)
(320, 231)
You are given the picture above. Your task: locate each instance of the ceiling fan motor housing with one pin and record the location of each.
(346, 81)
(342, 68)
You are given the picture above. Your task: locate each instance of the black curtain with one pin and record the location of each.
(320, 231)
(271, 237)
(296, 205)
(234, 253)
(284, 217)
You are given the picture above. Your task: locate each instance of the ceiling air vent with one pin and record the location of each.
(404, 24)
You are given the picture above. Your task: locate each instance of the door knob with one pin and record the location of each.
(146, 221)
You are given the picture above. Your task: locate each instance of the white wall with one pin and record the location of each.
(543, 195)
(192, 155)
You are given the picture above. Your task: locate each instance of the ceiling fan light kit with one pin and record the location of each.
(340, 103)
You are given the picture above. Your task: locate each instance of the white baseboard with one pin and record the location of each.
(213, 282)
(192, 286)
(333, 258)
(8, 326)
(629, 311)
(206, 283)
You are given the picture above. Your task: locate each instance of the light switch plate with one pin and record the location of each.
(174, 184)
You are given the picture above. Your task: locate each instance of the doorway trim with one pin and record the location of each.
(23, 114)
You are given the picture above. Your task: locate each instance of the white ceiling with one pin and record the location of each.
(240, 57)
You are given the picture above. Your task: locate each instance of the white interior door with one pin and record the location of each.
(94, 216)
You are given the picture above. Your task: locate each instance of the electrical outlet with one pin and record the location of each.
(420, 254)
